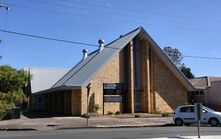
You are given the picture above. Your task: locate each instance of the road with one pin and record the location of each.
(111, 133)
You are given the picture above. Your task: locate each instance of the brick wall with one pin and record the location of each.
(109, 73)
(169, 91)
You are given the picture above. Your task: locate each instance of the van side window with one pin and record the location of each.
(187, 109)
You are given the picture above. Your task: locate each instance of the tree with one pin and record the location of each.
(187, 72)
(176, 57)
(174, 54)
(11, 83)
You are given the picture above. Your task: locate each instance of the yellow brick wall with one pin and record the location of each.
(76, 102)
(169, 91)
(109, 73)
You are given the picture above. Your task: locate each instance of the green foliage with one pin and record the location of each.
(174, 54)
(11, 83)
(176, 57)
(117, 113)
(136, 116)
(110, 113)
(187, 72)
(165, 114)
(11, 79)
(96, 108)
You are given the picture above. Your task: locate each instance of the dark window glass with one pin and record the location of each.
(187, 109)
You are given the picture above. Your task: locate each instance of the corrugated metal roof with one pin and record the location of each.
(84, 70)
(81, 74)
(44, 78)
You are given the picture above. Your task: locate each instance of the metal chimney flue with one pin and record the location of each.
(101, 45)
(85, 53)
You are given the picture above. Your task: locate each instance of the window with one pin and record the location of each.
(187, 109)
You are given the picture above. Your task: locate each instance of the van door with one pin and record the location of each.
(205, 116)
(188, 114)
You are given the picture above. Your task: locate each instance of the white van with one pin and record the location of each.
(186, 115)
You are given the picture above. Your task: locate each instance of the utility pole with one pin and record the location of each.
(6, 7)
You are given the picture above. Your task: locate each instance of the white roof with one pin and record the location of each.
(44, 78)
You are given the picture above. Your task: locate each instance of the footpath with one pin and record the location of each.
(106, 121)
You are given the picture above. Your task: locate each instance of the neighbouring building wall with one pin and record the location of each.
(213, 95)
(110, 73)
(169, 91)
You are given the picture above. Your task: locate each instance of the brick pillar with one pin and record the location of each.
(130, 77)
(152, 103)
(145, 75)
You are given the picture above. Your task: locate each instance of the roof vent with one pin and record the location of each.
(101, 45)
(121, 36)
(85, 53)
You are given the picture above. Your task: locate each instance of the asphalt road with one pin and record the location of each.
(111, 133)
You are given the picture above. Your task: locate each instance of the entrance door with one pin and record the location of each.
(137, 77)
(137, 103)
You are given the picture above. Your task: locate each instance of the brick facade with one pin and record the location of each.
(109, 73)
(168, 89)
(161, 89)
(150, 82)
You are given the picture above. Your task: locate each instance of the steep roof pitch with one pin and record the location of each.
(81, 74)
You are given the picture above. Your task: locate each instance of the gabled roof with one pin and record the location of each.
(204, 82)
(82, 73)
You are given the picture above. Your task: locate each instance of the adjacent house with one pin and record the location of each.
(131, 74)
(208, 91)
(41, 79)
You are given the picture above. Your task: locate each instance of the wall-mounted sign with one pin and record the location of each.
(113, 98)
(110, 86)
(113, 88)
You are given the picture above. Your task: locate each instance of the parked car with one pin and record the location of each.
(186, 115)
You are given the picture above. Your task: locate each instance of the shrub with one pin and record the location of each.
(96, 108)
(165, 114)
(136, 116)
(117, 113)
(110, 113)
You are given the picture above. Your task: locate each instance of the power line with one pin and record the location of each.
(87, 44)
(86, 9)
(132, 10)
(53, 39)
(114, 19)
(203, 57)
(47, 38)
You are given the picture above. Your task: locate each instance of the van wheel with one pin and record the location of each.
(178, 122)
(214, 122)
(187, 124)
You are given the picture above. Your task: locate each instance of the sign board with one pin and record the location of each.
(112, 98)
(111, 86)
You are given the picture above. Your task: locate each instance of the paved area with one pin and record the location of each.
(192, 137)
(54, 123)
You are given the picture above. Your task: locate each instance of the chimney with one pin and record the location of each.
(85, 53)
(101, 45)
(208, 81)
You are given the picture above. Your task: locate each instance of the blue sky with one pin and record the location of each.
(192, 26)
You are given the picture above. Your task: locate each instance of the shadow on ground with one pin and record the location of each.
(40, 114)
